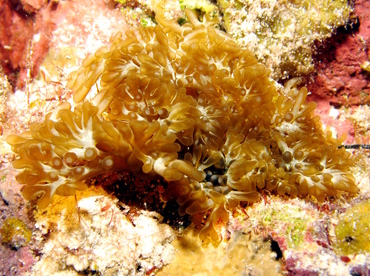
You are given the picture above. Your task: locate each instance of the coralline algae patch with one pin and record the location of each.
(341, 65)
(99, 238)
(353, 230)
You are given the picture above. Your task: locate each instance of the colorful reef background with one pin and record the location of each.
(179, 203)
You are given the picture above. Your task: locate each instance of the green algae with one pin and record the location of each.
(15, 233)
(353, 230)
(292, 224)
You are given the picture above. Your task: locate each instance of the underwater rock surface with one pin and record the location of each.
(341, 77)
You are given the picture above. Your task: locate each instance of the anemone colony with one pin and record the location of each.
(188, 104)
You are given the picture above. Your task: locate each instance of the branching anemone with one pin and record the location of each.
(188, 104)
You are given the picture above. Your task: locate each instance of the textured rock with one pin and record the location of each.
(14, 260)
(24, 37)
(339, 78)
(282, 33)
(100, 238)
(29, 28)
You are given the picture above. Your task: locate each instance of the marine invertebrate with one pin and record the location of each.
(188, 104)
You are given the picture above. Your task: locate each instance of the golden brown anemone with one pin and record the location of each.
(188, 104)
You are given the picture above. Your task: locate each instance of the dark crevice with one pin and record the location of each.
(276, 248)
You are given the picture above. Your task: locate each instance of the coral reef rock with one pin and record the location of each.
(282, 33)
(100, 238)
